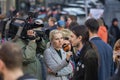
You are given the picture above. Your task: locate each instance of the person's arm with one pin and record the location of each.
(29, 52)
(65, 71)
(41, 46)
(28, 49)
(51, 63)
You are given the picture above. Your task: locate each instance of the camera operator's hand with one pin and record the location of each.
(31, 34)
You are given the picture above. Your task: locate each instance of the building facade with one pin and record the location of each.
(5, 5)
(112, 10)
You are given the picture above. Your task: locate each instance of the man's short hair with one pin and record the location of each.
(92, 25)
(11, 55)
(81, 30)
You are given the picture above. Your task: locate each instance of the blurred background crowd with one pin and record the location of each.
(62, 40)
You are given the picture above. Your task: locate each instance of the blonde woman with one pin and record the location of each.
(56, 59)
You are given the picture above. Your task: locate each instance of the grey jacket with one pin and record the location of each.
(57, 65)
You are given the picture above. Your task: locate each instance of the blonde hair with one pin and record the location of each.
(52, 33)
(66, 33)
(117, 45)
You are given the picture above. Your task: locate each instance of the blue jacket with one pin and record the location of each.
(106, 62)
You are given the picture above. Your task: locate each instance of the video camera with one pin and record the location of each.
(19, 27)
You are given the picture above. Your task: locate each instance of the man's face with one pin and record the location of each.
(116, 23)
(69, 21)
(74, 40)
(50, 22)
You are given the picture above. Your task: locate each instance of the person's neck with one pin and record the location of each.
(91, 35)
(13, 74)
(57, 49)
(79, 47)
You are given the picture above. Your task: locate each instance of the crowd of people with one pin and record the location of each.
(70, 51)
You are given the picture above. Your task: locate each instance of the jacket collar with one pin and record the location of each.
(95, 38)
(55, 55)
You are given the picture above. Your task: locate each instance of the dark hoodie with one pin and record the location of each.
(27, 77)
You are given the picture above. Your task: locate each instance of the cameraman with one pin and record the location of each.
(31, 63)
(30, 39)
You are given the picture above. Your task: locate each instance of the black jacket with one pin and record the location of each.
(117, 75)
(27, 77)
(86, 64)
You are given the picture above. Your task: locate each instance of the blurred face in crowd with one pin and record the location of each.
(51, 21)
(57, 41)
(75, 41)
(115, 23)
(62, 18)
(69, 20)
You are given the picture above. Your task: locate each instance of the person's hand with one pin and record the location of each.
(68, 55)
(50, 71)
(30, 33)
